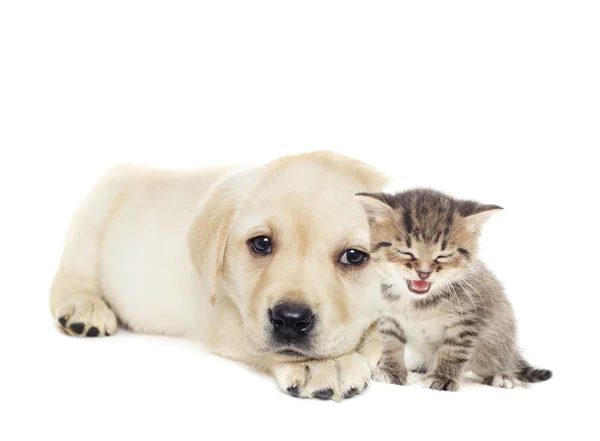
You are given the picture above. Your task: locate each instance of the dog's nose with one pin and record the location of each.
(423, 274)
(291, 320)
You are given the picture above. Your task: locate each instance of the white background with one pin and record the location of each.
(497, 101)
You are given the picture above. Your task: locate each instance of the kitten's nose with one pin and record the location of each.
(423, 274)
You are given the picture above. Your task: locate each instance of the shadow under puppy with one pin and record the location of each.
(440, 298)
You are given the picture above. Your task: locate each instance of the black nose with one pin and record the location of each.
(291, 320)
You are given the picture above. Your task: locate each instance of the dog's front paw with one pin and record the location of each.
(86, 317)
(441, 382)
(335, 378)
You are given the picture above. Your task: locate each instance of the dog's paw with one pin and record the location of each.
(438, 382)
(86, 317)
(502, 381)
(335, 378)
(384, 374)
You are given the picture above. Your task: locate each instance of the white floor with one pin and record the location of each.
(143, 387)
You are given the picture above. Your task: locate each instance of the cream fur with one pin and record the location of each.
(167, 250)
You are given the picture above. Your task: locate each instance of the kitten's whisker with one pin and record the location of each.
(464, 281)
(485, 287)
(461, 229)
(454, 236)
(477, 278)
(466, 291)
(458, 304)
(480, 296)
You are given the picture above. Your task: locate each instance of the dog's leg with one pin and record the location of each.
(75, 296)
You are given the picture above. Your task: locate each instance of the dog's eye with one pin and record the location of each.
(261, 244)
(354, 257)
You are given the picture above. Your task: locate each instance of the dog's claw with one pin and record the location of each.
(353, 391)
(324, 394)
(293, 391)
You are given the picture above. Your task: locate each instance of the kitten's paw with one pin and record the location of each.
(389, 376)
(436, 382)
(420, 369)
(86, 317)
(335, 379)
(502, 381)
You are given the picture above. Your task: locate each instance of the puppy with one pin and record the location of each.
(268, 265)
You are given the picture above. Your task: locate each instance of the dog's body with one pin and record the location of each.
(128, 246)
(172, 253)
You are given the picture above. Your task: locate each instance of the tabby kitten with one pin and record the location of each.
(441, 300)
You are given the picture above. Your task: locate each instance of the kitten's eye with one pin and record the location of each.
(354, 257)
(261, 245)
(406, 255)
(444, 259)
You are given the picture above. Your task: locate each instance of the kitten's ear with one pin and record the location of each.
(477, 215)
(377, 206)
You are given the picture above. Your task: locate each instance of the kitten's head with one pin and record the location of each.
(423, 240)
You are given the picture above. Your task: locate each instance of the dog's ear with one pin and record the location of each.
(207, 238)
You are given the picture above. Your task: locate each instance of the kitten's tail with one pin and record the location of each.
(529, 374)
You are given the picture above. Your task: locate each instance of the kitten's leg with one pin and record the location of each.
(501, 380)
(492, 367)
(519, 370)
(452, 356)
(391, 367)
(420, 369)
(416, 361)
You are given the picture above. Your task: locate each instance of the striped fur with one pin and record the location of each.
(391, 367)
(464, 322)
(529, 374)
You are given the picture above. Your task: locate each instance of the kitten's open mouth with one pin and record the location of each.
(418, 286)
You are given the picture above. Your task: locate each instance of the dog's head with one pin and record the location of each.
(288, 244)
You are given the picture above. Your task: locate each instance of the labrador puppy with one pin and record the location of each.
(268, 265)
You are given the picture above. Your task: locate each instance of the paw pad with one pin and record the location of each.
(84, 317)
(77, 328)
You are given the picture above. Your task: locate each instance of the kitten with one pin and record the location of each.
(441, 300)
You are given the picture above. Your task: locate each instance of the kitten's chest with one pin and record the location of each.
(424, 331)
